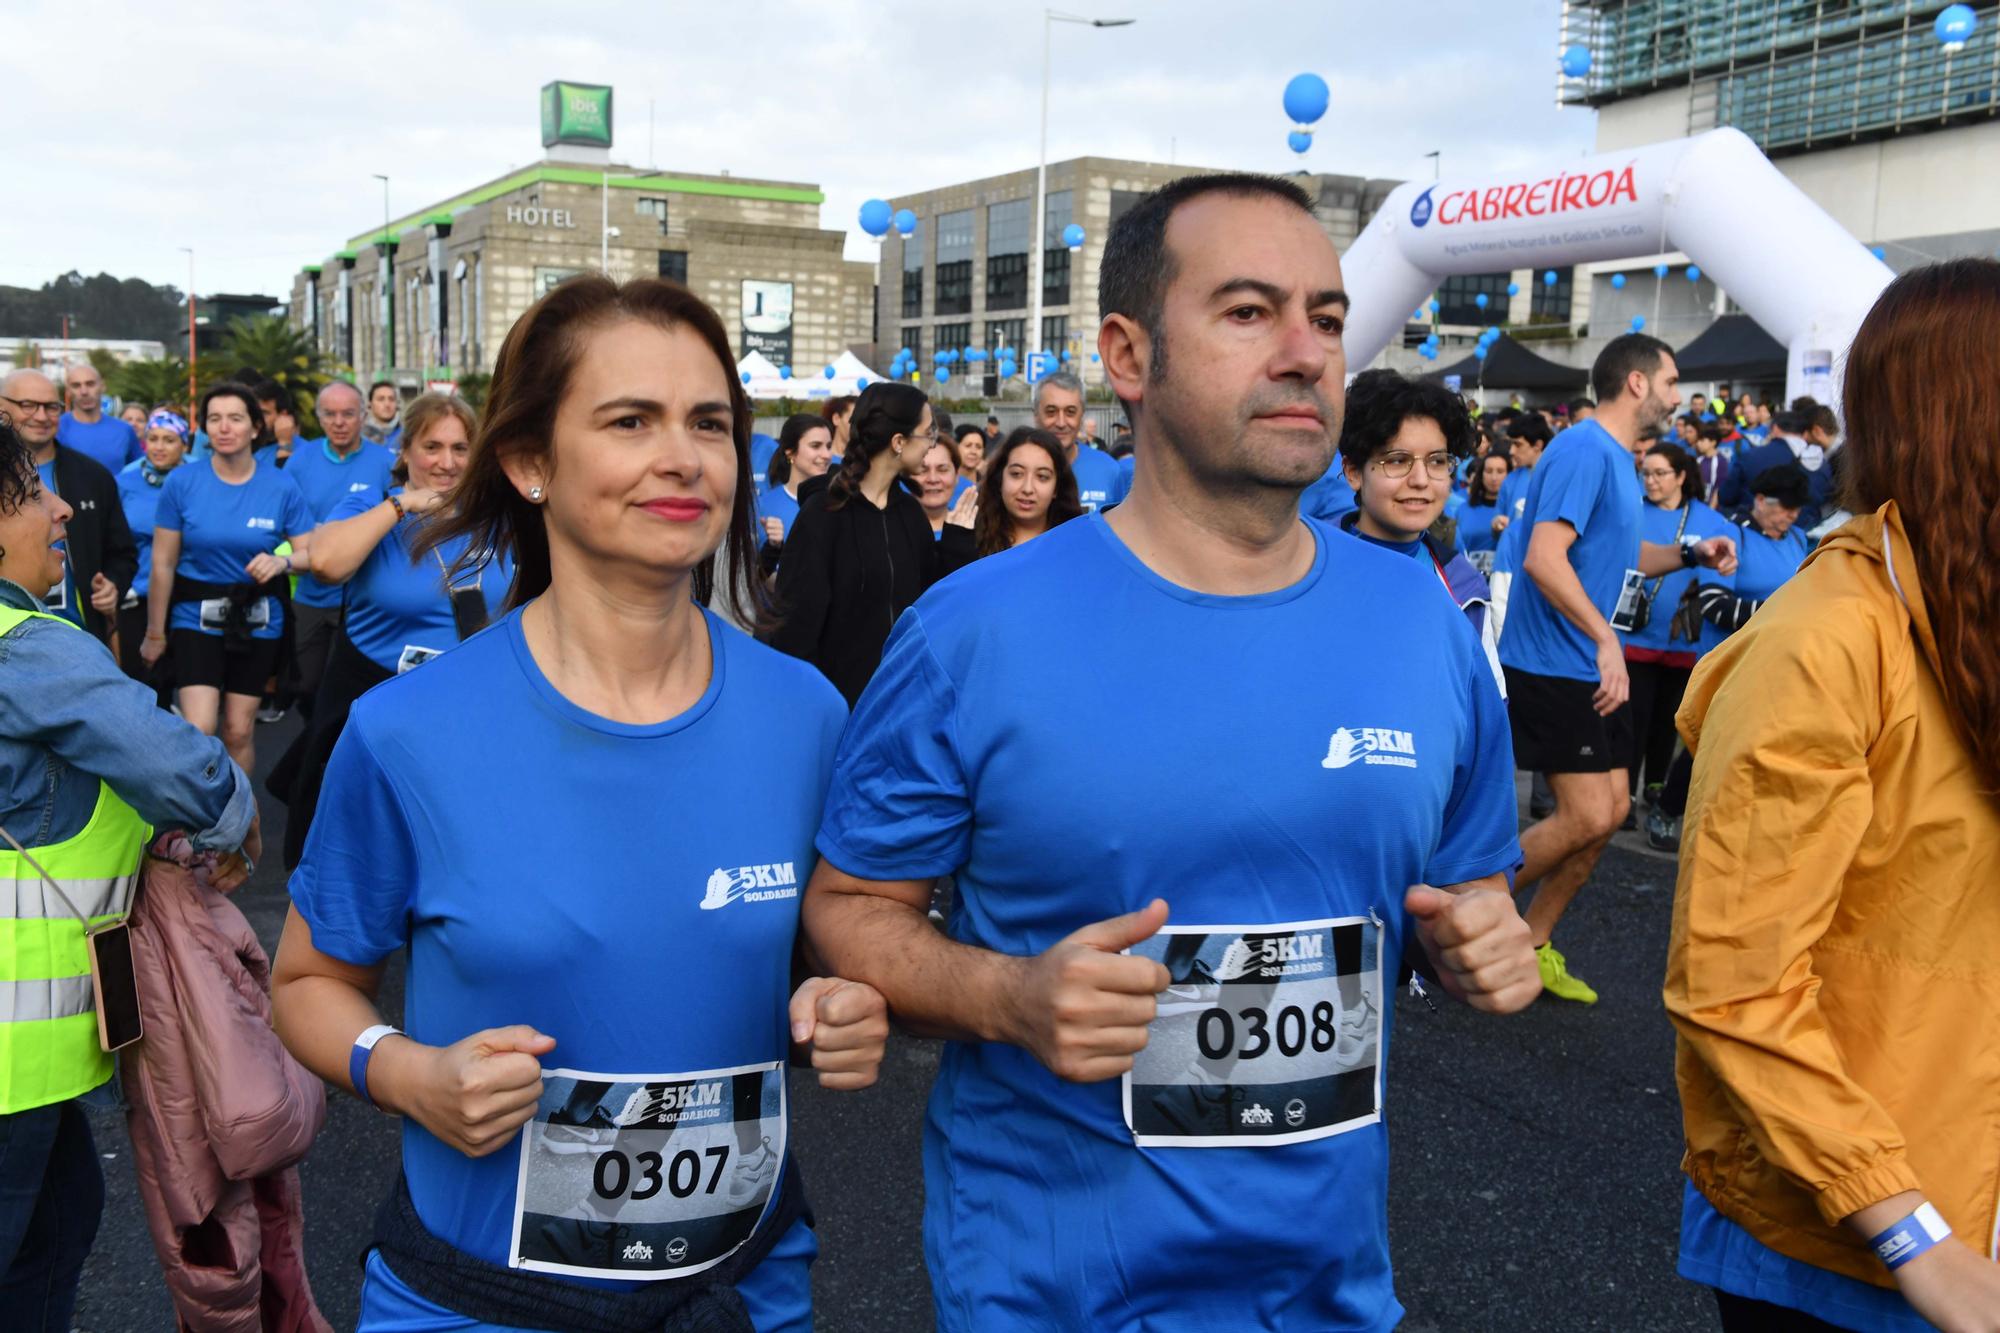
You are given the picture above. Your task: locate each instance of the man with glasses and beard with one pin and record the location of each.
(102, 557)
(1287, 735)
(1582, 581)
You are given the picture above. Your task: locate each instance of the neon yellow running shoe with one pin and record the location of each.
(1556, 978)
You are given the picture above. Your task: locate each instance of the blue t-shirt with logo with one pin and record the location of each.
(1763, 565)
(610, 944)
(326, 479)
(1512, 501)
(396, 604)
(224, 526)
(140, 499)
(1040, 1211)
(109, 440)
(1663, 527)
(1097, 478)
(1586, 479)
(774, 502)
(61, 600)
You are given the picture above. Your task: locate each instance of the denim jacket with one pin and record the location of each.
(69, 716)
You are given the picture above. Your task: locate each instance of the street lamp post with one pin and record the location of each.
(1050, 18)
(189, 252)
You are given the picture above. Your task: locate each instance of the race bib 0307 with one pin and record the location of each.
(1266, 1035)
(647, 1175)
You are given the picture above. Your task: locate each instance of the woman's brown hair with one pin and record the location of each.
(993, 529)
(530, 377)
(1923, 406)
(423, 414)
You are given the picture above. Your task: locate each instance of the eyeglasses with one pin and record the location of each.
(924, 437)
(29, 408)
(1397, 465)
(1657, 473)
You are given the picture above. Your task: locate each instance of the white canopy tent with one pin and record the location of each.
(850, 375)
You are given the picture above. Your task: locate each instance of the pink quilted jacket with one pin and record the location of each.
(220, 1114)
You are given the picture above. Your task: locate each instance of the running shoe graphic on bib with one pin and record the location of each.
(1267, 1035)
(647, 1175)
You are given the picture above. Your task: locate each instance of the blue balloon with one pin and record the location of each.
(974, 354)
(1093, 358)
(1073, 236)
(861, 382)
(876, 215)
(1064, 358)
(1694, 273)
(1638, 322)
(944, 377)
(1576, 61)
(1479, 352)
(906, 222)
(784, 372)
(1435, 307)
(903, 352)
(1417, 318)
(1659, 270)
(1306, 98)
(829, 372)
(1299, 140)
(1954, 25)
(1007, 369)
(746, 377)
(1618, 281)
(1513, 289)
(1480, 300)
(1491, 332)
(1878, 252)
(1548, 277)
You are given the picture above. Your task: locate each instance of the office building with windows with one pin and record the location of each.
(1857, 101)
(429, 298)
(962, 278)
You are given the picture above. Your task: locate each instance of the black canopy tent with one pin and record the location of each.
(1733, 350)
(1509, 365)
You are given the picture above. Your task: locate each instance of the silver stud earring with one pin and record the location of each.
(535, 494)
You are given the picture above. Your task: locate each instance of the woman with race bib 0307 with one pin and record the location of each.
(595, 870)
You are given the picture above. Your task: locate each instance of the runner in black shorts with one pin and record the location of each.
(1565, 667)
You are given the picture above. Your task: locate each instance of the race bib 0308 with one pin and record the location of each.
(647, 1175)
(1266, 1035)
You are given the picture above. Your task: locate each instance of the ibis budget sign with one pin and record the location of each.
(576, 113)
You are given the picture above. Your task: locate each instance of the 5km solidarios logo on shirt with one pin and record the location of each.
(753, 884)
(1370, 745)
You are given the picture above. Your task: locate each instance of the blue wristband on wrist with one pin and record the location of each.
(1905, 1240)
(357, 1059)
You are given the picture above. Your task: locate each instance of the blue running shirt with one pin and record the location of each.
(1298, 755)
(395, 603)
(1587, 480)
(109, 440)
(141, 501)
(1099, 481)
(327, 480)
(1763, 565)
(545, 865)
(1664, 527)
(224, 526)
(775, 502)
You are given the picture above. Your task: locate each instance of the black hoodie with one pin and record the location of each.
(846, 574)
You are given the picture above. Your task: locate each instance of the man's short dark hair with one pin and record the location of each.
(1531, 427)
(383, 384)
(270, 391)
(1786, 483)
(1581, 405)
(1621, 356)
(1137, 267)
(1380, 401)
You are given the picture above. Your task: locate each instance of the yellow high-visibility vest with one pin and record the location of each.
(48, 1027)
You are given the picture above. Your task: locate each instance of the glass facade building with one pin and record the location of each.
(1794, 75)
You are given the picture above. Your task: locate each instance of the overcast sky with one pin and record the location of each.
(251, 132)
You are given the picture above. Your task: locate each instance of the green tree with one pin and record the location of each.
(271, 347)
(149, 383)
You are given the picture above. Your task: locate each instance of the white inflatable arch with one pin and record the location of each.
(1715, 197)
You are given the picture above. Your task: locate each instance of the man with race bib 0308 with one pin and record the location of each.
(1168, 1007)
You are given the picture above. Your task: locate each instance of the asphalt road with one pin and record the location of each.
(1533, 1158)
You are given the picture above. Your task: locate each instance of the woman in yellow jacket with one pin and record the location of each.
(1834, 972)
